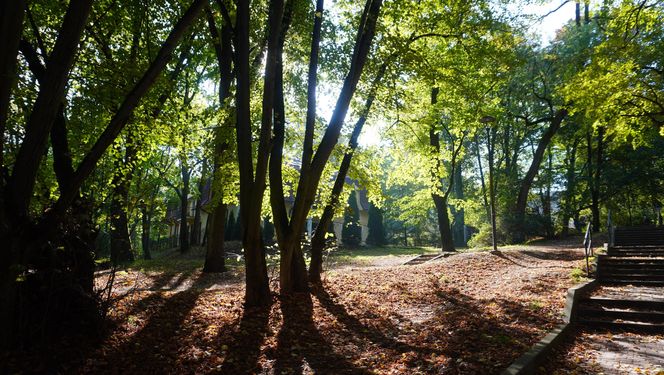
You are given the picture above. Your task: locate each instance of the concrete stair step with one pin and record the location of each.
(605, 259)
(622, 281)
(639, 254)
(604, 271)
(591, 312)
(641, 276)
(624, 325)
(608, 302)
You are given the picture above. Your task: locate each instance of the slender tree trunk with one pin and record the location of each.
(184, 208)
(479, 166)
(252, 185)
(49, 99)
(120, 243)
(126, 109)
(577, 13)
(546, 201)
(440, 200)
(459, 234)
(292, 269)
(518, 232)
(318, 240)
(215, 257)
(62, 162)
(196, 229)
(121, 249)
(145, 232)
(11, 25)
(596, 181)
(288, 236)
(491, 151)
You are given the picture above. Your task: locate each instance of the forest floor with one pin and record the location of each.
(471, 313)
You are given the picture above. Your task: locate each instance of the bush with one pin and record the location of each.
(481, 238)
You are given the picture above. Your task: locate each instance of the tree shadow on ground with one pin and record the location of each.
(525, 255)
(481, 336)
(244, 350)
(300, 345)
(373, 334)
(157, 344)
(554, 254)
(161, 283)
(461, 336)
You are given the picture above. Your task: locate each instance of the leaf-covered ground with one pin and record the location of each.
(472, 313)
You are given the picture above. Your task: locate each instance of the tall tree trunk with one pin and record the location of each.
(459, 234)
(491, 151)
(518, 232)
(124, 112)
(196, 237)
(44, 111)
(257, 292)
(121, 249)
(145, 231)
(546, 201)
(120, 243)
(184, 208)
(318, 240)
(440, 200)
(447, 242)
(293, 272)
(214, 256)
(288, 233)
(596, 181)
(479, 166)
(62, 162)
(11, 25)
(577, 13)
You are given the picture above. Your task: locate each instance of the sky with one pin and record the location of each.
(548, 26)
(546, 29)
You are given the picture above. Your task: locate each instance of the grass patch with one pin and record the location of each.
(579, 275)
(535, 305)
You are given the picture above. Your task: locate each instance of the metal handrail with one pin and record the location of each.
(588, 245)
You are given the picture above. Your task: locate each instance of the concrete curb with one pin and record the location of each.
(528, 362)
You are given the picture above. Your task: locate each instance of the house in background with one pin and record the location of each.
(173, 217)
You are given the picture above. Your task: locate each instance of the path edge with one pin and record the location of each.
(529, 361)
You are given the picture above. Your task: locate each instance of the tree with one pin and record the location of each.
(292, 273)
(23, 247)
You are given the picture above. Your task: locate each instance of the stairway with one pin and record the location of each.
(639, 236)
(633, 272)
(624, 312)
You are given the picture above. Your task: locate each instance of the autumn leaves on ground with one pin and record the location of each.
(471, 313)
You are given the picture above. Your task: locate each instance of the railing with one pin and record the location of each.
(588, 246)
